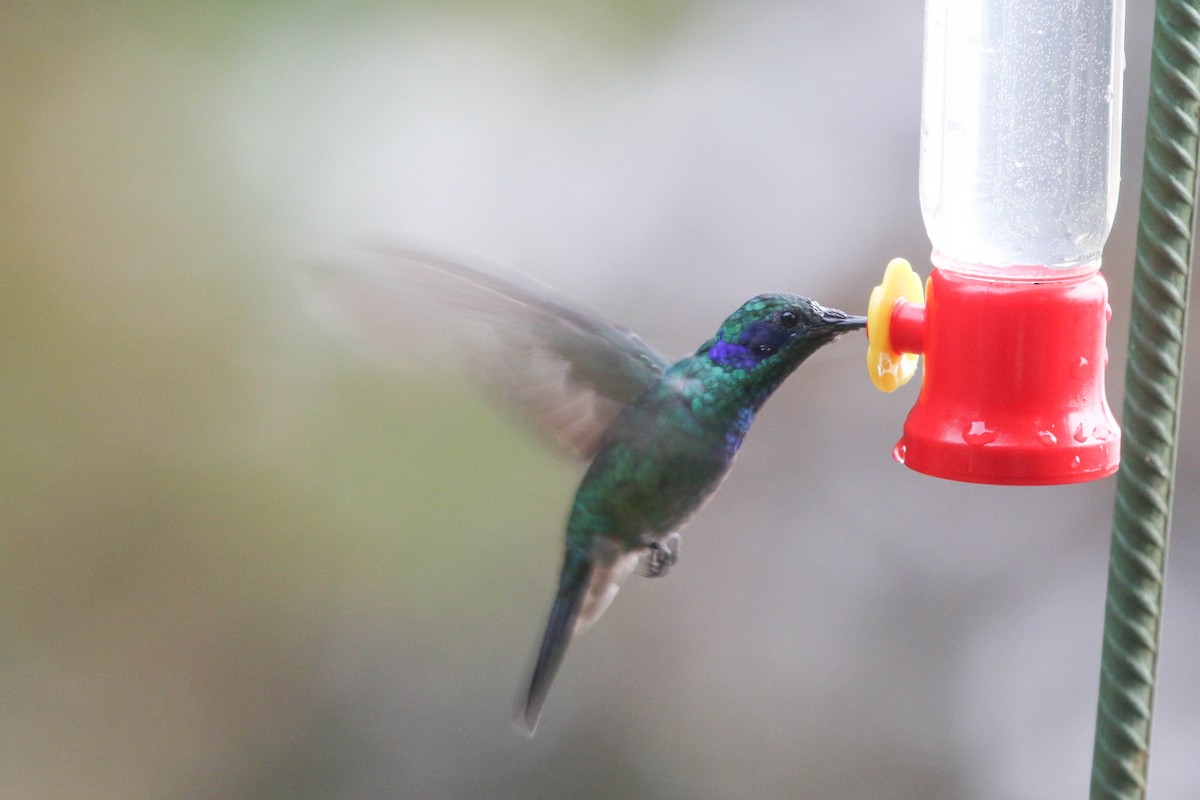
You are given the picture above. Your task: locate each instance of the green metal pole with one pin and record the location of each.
(1142, 514)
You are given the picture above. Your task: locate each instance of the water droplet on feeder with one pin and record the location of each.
(977, 433)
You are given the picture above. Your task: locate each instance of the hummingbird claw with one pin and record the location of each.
(661, 557)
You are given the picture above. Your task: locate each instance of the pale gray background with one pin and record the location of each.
(241, 561)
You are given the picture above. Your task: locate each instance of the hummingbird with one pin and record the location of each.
(658, 436)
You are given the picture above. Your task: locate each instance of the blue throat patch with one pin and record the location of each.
(731, 355)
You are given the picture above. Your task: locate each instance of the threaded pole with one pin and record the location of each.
(1142, 512)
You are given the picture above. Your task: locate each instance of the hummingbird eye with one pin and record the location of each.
(789, 319)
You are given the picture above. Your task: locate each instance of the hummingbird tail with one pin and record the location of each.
(559, 630)
(588, 584)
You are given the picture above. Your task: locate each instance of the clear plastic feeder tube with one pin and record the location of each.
(1020, 134)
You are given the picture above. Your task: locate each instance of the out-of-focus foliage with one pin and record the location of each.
(240, 560)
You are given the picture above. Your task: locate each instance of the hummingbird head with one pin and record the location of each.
(774, 333)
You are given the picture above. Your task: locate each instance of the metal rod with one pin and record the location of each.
(1142, 513)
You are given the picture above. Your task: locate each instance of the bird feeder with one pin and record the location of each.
(1020, 144)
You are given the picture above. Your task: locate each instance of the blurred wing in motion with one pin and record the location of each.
(561, 368)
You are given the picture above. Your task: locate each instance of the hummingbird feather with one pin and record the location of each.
(559, 367)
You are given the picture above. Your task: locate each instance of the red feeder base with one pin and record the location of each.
(1013, 386)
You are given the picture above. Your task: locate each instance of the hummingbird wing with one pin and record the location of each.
(560, 367)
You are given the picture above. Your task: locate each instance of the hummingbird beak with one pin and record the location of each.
(842, 321)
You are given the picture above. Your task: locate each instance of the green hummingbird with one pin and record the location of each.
(659, 436)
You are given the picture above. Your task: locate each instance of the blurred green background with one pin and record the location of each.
(241, 561)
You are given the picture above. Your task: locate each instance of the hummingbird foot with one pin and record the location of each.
(661, 557)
